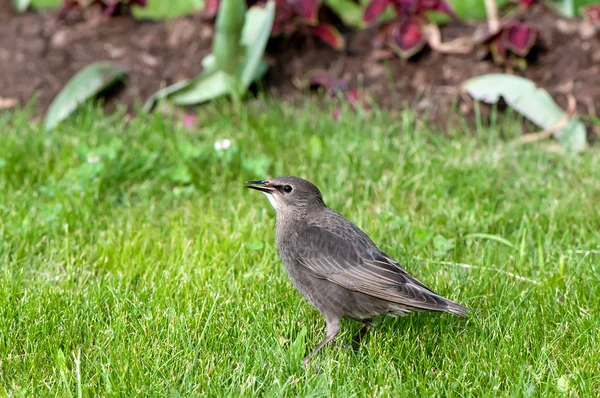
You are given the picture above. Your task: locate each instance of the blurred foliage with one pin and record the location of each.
(348, 10)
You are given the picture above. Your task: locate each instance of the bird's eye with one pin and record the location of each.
(287, 188)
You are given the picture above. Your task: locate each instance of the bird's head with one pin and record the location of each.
(289, 195)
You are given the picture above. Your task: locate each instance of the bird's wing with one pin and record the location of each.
(362, 267)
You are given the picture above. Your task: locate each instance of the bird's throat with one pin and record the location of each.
(272, 200)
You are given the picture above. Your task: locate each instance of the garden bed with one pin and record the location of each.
(39, 54)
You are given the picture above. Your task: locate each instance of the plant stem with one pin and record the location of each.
(491, 9)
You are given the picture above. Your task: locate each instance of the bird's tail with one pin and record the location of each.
(438, 303)
(455, 308)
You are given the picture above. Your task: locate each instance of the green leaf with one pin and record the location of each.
(205, 88)
(568, 8)
(20, 5)
(209, 66)
(532, 102)
(573, 136)
(165, 92)
(227, 47)
(496, 238)
(255, 34)
(225, 72)
(87, 83)
(180, 174)
(258, 245)
(209, 63)
(442, 246)
(349, 11)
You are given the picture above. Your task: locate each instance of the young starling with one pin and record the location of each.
(336, 266)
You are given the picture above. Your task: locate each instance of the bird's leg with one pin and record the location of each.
(363, 332)
(333, 327)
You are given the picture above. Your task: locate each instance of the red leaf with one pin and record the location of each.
(308, 10)
(330, 35)
(406, 39)
(285, 14)
(405, 8)
(211, 7)
(374, 9)
(591, 13)
(519, 38)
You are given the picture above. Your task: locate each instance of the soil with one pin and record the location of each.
(39, 54)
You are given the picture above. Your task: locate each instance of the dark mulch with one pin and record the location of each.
(569, 63)
(39, 54)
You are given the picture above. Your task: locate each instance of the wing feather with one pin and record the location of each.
(362, 267)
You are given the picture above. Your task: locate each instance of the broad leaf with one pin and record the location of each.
(20, 5)
(519, 38)
(308, 10)
(226, 47)
(567, 8)
(574, 135)
(255, 34)
(330, 35)
(87, 83)
(407, 39)
(165, 92)
(374, 9)
(205, 88)
(349, 11)
(209, 63)
(532, 102)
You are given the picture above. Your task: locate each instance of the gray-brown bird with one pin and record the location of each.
(336, 266)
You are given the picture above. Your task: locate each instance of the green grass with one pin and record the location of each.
(134, 263)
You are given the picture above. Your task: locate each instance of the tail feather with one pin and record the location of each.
(456, 309)
(438, 303)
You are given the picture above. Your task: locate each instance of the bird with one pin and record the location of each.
(337, 267)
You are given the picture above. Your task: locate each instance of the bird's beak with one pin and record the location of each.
(260, 185)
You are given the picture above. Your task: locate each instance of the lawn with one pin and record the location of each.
(134, 263)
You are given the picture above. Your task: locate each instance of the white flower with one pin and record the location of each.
(222, 145)
(93, 159)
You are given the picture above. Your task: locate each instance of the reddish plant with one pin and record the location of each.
(293, 16)
(512, 43)
(404, 35)
(591, 14)
(109, 7)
